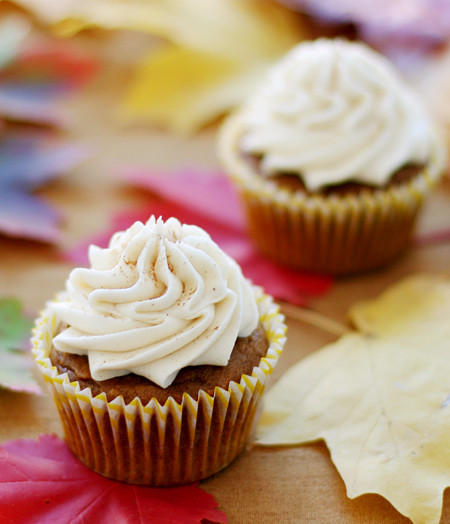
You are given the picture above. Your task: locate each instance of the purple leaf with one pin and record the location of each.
(387, 24)
(24, 216)
(19, 106)
(30, 160)
(27, 163)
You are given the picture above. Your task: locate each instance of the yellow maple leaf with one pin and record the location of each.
(216, 56)
(183, 88)
(229, 27)
(380, 398)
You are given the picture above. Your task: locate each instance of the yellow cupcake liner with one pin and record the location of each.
(326, 233)
(159, 445)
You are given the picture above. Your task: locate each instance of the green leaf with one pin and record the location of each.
(15, 360)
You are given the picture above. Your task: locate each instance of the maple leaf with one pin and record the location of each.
(218, 59)
(215, 58)
(234, 27)
(208, 200)
(27, 162)
(183, 89)
(41, 481)
(15, 364)
(379, 398)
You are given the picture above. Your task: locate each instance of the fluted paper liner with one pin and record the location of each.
(339, 233)
(154, 444)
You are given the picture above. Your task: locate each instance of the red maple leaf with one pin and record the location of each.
(42, 482)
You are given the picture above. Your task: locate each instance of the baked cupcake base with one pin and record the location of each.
(246, 354)
(334, 233)
(159, 445)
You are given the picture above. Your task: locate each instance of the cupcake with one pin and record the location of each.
(157, 355)
(332, 157)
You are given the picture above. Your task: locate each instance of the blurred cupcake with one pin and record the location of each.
(157, 355)
(333, 157)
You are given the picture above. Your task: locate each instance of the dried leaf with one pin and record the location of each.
(207, 200)
(379, 398)
(41, 481)
(15, 362)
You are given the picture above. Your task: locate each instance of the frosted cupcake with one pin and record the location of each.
(157, 355)
(333, 157)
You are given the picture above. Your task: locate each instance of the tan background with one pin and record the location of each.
(288, 485)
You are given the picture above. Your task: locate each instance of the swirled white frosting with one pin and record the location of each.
(333, 111)
(162, 296)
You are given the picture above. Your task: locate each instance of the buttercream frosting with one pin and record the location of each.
(161, 297)
(333, 111)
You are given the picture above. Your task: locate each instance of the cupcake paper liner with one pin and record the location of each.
(335, 234)
(159, 445)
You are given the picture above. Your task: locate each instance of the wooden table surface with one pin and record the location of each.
(296, 484)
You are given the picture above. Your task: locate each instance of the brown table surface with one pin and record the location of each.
(296, 484)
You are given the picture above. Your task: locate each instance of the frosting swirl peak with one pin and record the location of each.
(333, 111)
(161, 297)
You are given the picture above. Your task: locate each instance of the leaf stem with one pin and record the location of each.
(313, 318)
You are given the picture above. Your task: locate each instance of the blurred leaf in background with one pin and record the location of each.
(28, 162)
(215, 54)
(15, 364)
(34, 76)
